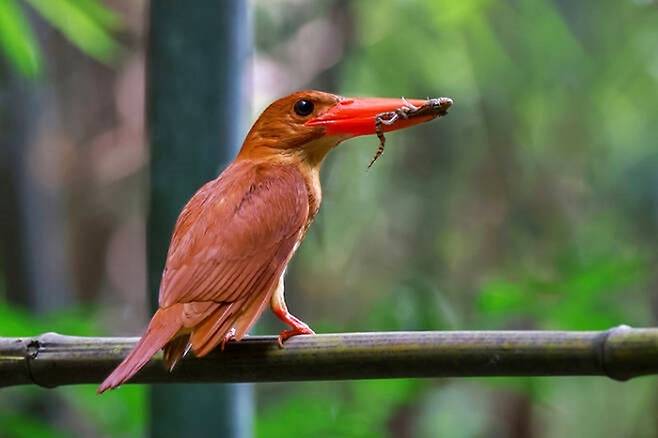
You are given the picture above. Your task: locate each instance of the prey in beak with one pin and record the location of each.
(433, 107)
(364, 116)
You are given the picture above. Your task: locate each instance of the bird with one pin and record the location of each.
(235, 237)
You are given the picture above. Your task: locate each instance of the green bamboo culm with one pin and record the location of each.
(620, 353)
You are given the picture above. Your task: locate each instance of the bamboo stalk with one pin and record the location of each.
(620, 353)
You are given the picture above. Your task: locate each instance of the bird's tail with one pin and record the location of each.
(163, 327)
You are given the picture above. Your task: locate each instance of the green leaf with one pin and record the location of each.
(80, 26)
(17, 40)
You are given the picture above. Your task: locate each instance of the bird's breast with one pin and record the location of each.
(314, 189)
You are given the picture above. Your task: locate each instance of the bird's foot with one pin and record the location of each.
(301, 329)
(227, 337)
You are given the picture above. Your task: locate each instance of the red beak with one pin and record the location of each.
(353, 117)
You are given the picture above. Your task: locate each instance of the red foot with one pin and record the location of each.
(297, 330)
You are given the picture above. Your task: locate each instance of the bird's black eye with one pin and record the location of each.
(304, 107)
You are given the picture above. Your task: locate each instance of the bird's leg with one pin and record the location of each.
(227, 337)
(409, 105)
(279, 308)
(390, 118)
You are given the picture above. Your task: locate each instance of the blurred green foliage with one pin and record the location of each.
(319, 409)
(118, 413)
(19, 322)
(87, 24)
(584, 296)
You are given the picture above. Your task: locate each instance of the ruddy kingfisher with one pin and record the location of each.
(233, 240)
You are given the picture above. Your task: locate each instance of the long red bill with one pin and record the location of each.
(361, 116)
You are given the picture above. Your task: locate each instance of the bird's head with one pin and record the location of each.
(307, 124)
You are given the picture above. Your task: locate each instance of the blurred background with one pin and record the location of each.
(533, 205)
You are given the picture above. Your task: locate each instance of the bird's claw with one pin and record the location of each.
(227, 337)
(299, 330)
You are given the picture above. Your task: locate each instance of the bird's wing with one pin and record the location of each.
(236, 235)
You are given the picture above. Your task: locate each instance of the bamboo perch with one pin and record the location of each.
(620, 353)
